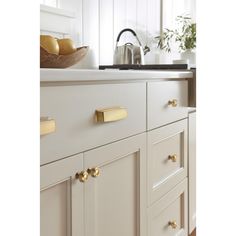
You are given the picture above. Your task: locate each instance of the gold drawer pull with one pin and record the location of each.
(47, 125)
(94, 172)
(111, 114)
(172, 157)
(82, 176)
(173, 224)
(173, 103)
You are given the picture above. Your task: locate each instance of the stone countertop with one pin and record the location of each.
(96, 76)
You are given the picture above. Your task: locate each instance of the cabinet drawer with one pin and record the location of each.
(167, 102)
(167, 158)
(73, 108)
(168, 217)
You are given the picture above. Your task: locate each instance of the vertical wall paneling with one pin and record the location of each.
(190, 7)
(57, 22)
(153, 29)
(167, 13)
(120, 18)
(131, 19)
(153, 17)
(52, 3)
(106, 32)
(141, 20)
(172, 9)
(75, 6)
(91, 23)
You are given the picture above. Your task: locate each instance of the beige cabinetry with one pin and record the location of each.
(115, 200)
(169, 216)
(192, 171)
(61, 198)
(74, 110)
(167, 158)
(167, 102)
(114, 159)
(101, 192)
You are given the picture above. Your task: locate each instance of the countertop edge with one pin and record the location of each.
(93, 76)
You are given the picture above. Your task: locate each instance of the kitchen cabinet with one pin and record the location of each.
(167, 158)
(115, 199)
(117, 156)
(109, 200)
(192, 171)
(61, 198)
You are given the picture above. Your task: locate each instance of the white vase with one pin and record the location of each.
(190, 56)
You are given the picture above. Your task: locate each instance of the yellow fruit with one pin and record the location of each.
(66, 46)
(49, 43)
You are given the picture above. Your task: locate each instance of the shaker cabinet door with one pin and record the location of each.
(115, 193)
(61, 198)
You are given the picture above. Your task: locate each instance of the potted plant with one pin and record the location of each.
(184, 36)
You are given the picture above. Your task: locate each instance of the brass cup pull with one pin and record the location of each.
(173, 103)
(94, 172)
(82, 176)
(172, 157)
(111, 114)
(173, 224)
(47, 125)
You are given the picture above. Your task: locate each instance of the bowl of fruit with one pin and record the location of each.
(59, 53)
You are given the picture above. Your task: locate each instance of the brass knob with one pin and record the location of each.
(173, 103)
(173, 224)
(172, 157)
(94, 172)
(82, 176)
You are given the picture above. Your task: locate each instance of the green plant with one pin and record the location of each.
(184, 35)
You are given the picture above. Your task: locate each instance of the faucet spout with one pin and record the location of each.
(146, 50)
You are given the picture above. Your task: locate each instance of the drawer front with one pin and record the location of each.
(167, 158)
(73, 112)
(168, 217)
(167, 102)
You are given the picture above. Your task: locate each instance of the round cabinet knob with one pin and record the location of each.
(173, 224)
(94, 172)
(173, 158)
(82, 176)
(173, 103)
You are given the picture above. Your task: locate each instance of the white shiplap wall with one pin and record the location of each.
(104, 19)
(98, 22)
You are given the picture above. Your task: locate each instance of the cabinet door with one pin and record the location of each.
(61, 198)
(167, 158)
(115, 201)
(192, 171)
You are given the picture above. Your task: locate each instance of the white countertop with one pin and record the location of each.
(81, 75)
